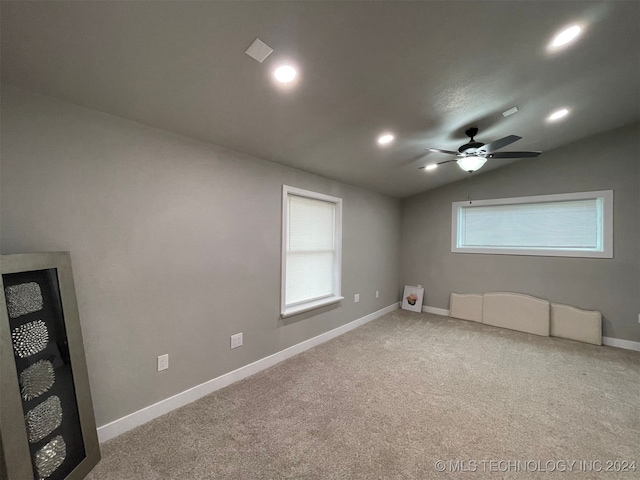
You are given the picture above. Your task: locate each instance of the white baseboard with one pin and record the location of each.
(128, 422)
(618, 342)
(437, 311)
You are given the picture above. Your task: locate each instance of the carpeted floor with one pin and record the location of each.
(392, 398)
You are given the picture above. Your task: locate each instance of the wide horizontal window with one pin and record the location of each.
(311, 250)
(571, 225)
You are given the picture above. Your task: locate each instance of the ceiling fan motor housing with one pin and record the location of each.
(471, 145)
(471, 132)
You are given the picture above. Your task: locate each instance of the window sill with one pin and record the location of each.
(305, 307)
(539, 252)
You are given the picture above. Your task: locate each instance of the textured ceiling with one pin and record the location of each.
(425, 70)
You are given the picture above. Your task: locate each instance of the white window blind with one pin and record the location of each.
(542, 225)
(311, 250)
(577, 224)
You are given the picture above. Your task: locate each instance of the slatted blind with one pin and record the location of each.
(310, 249)
(572, 225)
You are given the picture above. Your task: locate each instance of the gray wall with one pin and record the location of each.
(609, 161)
(175, 245)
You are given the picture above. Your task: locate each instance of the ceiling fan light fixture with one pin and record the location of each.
(433, 166)
(471, 163)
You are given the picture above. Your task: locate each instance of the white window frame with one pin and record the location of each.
(605, 249)
(335, 297)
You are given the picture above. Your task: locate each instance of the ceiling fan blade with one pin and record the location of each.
(513, 154)
(437, 150)
(498, 144)
(415, 161)
(439, 163)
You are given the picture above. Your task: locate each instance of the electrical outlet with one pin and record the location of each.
(163, 362)
(377, 293)
(356, 298)
(236, 340)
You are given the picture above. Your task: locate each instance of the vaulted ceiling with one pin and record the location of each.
(424, 70)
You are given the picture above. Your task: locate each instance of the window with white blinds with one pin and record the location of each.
(311, 250)
(572, 225)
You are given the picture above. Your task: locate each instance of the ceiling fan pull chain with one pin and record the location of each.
(469, 188)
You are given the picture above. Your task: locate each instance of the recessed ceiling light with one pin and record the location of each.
(285, 74)
(433, 166)
(385, 139)
(566, 36)
(558, 114)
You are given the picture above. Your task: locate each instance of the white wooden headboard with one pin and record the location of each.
(525, 313)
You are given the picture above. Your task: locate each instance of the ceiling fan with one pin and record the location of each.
(473, 155)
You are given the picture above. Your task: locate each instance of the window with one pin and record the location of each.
(311, 250)
(567, 225)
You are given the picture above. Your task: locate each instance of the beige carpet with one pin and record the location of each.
(390, 399)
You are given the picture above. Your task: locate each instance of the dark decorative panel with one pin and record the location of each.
(52, 403)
